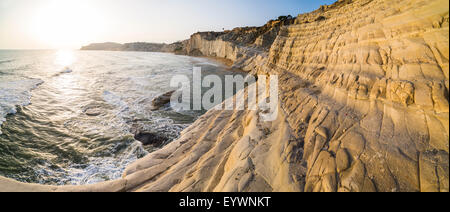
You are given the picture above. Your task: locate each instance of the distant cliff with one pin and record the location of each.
(363, 107)
(254, 41)
(108, 46)
(137, 46)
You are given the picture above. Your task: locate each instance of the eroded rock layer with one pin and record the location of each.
(363, 106)
(363, 90)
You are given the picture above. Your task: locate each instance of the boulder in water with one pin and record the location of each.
(161, 101)
(149, 138)
(93, 112)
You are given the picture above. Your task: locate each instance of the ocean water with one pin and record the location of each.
(67, 117)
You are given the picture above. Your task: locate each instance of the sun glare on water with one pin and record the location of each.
(64, 58)
(66, 23)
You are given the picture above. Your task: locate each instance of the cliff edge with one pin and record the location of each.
(364, 97)
(364, 106)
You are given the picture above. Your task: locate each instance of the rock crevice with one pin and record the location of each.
(363, 106)
(363, 89)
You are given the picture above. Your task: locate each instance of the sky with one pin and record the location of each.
(70, 24)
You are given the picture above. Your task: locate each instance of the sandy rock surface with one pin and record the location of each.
(364, 106)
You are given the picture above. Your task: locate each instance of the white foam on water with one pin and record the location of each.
(207, 63)
(13, 94)
(100, 169)
(204, 61)
(66, 70)
(126, 81)
(96, 170)
(6, 61)
(115, 100)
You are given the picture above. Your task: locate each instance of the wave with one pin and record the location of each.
(66, 70)
(100, 168)
(207, 64)
(6, 61)
(15, 93)
(204, 62)
(96, 170)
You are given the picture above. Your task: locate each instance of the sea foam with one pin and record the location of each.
(13, 94)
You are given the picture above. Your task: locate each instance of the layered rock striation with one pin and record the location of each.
(363, 106)
(366, 93)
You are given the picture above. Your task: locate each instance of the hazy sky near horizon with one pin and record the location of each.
(50, 24)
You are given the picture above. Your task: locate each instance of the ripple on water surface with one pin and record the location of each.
(79, 126)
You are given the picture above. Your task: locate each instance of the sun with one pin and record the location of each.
(66, 23)
(64, 58)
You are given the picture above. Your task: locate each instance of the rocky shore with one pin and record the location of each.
(364, 106)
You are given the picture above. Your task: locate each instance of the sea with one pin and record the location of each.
(69, 117)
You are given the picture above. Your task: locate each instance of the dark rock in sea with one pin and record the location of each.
(161, 101)
(149, 138)
(93, 112)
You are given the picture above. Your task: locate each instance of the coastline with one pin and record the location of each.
(226, 62)
(353, 115)
(118, 185)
